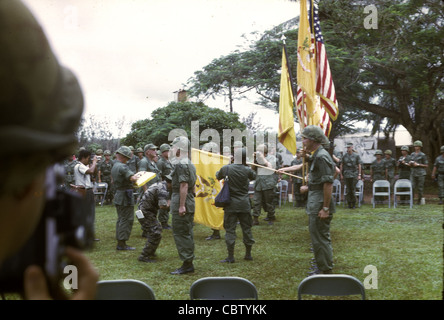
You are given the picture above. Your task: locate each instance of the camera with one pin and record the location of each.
(66, 221)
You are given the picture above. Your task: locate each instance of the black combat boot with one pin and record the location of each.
(248, 253)
(187, 267)
(230, 258)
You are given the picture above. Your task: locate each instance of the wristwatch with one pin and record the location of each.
(326, 209)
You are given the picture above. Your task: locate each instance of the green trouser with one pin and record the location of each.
(125, 219)
(153, 230)
(441, 185)
(321, 241)
(230, 223)
(418, 185)
(350, 183)
(183, 235)
(163, 216)
(264, 198)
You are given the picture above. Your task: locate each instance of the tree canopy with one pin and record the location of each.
(180, 115)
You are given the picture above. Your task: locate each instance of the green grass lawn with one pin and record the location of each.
(405, 245)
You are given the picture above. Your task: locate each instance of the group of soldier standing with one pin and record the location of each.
(411, 166)
(172, 191)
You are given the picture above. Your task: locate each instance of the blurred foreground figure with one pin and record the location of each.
(41, 104)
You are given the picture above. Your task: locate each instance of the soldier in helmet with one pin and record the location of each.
(104, 174)
(239, 209)
(133, 162)
(148, 163)
(377, 168)
(140, 153)
(418, 164)
(41, 104)
(182, 203)
(438, 168)
(351, 173)
(390, 166)
(165, 167)
(403, 163)
(70, 163)
(154, 198)
(123, 179)
(264, 186)
(320, 206)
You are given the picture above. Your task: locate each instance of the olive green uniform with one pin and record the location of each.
(404, 168)
(417, 174)
(299, 198)
(439, 164)
(123, 199)
(150, 166)
(321, 170)
(390, 165)
(105, 168)
(69, 173)
(264, 190)
(350, 168)
(165, 167)
(239, 209)
(153, 198)
(184, 171)
(378, 170)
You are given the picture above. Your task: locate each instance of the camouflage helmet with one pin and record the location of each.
(99, 152)
(417, 143)
(124, 151)
(441, 149)
(181, 143)
(164, 147)
(405, 148)
(149, 146)
(378, 152)
(107, 153)
(41, 101)
(388, 152)
(314, 133)
(139, 150)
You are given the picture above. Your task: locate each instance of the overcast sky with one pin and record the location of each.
(131, 55)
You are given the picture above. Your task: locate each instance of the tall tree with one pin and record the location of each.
(179, 115)
(394, 71)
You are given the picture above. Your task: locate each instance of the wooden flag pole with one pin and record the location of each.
(258, 165)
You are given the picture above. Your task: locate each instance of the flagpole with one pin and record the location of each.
(258, 165)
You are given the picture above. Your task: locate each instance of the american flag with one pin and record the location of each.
(324, 82)
(324, 118)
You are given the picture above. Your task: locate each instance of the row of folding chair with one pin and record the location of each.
(402, 189)
(380, 190)
(231, 288)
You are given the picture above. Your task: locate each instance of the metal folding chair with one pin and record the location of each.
(220, 288)
(381, 188)
(126, 289)
(403, 187)
(331, 285)
(100, 190)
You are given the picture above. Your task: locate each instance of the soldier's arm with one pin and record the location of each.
(183, 191)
